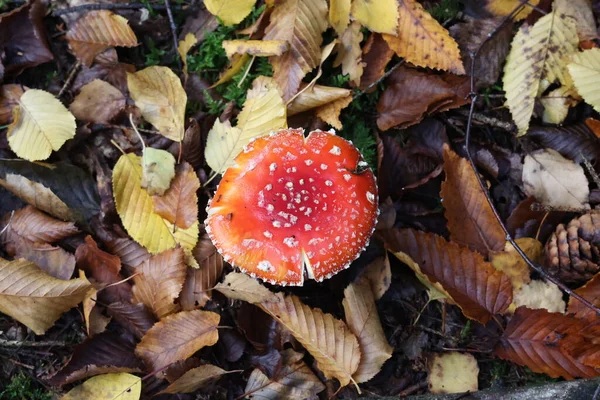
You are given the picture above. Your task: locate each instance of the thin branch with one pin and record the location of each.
(96, 7)
(24, 343)
(372, 85)
(173, 33)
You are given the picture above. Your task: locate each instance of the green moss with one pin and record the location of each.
(154, 56)
(360, 128)
(22, 387)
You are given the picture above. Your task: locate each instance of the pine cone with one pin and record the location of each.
(573, 253)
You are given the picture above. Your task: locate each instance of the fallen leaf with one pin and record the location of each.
(200, 23)
(179, 204)
(301, 23)
(130, 252)
(9, 99)
(503, 8)
(53, 260)
(512, 264)
(136, 318)
(239, 286)
(136, 209)
(581, 12)
(195, 379)
(584, 68)
(95, 322)
(555, 181)
(315, 97)
(177, 337)
(96, 31)
(237, 63)
(193, 144)
(591, 292)
(35, 298)
(293, 380)
(376, 55)
(330, 112)
(231, 12)
(98, 102)
(452, 372)
(379, 274)
(262, 113)
(41, 124)
(183, 49)
(260, 48)
(158, 93)
(380, 16)
(422, 41)
(160, 281)
(106, 67)
(339, 15)
(537, 52)
(471, 220)
(557, 103)
(158, 169)
(121, 386)
(363, 320)
(540, 294)
(473, 284)
(33, 225)
(349, 53)
(575, 142)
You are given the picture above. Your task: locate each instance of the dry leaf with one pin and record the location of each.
(95, 322)
(136, 209)
(33, 225)
(471, 220)
(177, 337)
(160, 281)
(98, 102)
(557, 103)
(158, 169)
(591, 292)
(422, 41)
(380, 16)
(349, 53)
(260, 48)
(179, 204)
(231, 12)
(503, 8)
(363, 320)
(584, 68)
(316, 96)
(240, 286)
(9, 99)
(555, 181)
(376, 55)
(512, 264)
(581, 12)
(330, 113)
(96, 32)
(379, 274)
(301, 23)
(540, 294)
(158, 93)
(194, 379)
(41, 124)
(33, 297)
(53, 260)
(183, 49)
(136, 318)
(452, 372)
(339, 15)
(107, 387)
(236, 65)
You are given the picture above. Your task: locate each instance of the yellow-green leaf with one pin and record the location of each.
(231, 12)
(107, 387)
(158, 169)
(585, 71)
(379, 16)
(41, 124)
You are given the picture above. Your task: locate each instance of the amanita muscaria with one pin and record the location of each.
(294, 206)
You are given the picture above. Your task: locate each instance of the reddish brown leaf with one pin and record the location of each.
(179, 204)
(107, 68)
(590, 291)
(9, 98)
(136, 318)
(31, 224)
(376, 54)
(532, 338)
(471, 220)
(130, 252)
(193, 144)
(475, 286)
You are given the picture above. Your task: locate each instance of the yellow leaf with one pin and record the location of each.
(421, 40)
(41, 124)
(98, 31)
(301, 23)
(158, 169)
(330, 113)
(262, 113)
(453, 372)
(35, 298)
(136, 209)
(98, 102)
(316, 96)
(158, 93)
(183, 49)
(585, 71)
(503, 8)
(237, 63)
(231, 12)
(107, 387)
(350, 54)
(240, 286)
(339, 15)
(556, 105)
(513, 265)
(537, 52)
(379, 16)
(260, 48)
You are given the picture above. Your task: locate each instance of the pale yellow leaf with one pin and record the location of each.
(262, 113)
(240, 286)
(41, 124)
(537, 52)
(540, 294)
(136, 209)
(158, 169)
(379, 16)
(231, 12)
(584, 68)
(350, 54)
(421, 40)
(453, 372)
(503, 8)
(195, 379)
(183, 49)
(158, 93)
(97, 31)
(556, 105)
(339, 15)
(95, 322)
(316, 96)
(107, 387)
(330, 113)
(581, 12)
(260, 48)
(379, 274)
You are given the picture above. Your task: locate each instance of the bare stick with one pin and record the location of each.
(173, 33)
(70, 78)
(388, 73)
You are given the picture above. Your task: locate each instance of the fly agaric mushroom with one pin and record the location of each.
(293, 206)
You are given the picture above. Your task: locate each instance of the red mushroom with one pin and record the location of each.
(293, 206)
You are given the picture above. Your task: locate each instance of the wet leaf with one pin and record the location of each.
(452, 372)
(107, 387)
(98, 102)
(179, 204)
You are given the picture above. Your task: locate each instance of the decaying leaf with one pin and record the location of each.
(158, 169)
(179, 204)
(35, 298)
(260, 48)
(262, 113)
(512, 264)
(231, 12)
(98, 102)
(121, 386)
(41, 124)
(581, 12)
(195, 379)
(376, 55)
(363, 320)
(555, 181)
(380, 16)
(584, 68)
(349, 53)
(96, 32)
(177, 337)
(158, 93)
(452, 372)
(540, 294)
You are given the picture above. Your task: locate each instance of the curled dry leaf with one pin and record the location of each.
(158, 93)
(195, 379)
(363, 320)
(98, 102)
(349, 53)
(158, 169)
(260, 48)
(301, 23)
(35, 298)
(231, 12)
(96, 32)
(160, 281)
(177, 337)
(41, 124)
(471, 220)
(585, 72)
(121, 386)
(293, 380)
(473, 284)
(380, 16)
(179, 204)
(452, 372)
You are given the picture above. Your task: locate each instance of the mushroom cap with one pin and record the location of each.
(292, 207)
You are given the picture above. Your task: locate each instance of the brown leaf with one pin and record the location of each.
(363, 319)
(53, 260)
(107, 68)
(376, 55)
(330, 113)
(177, 337)
(316, 96)
(160, 281)
(200, 23)
(575, 142)
(98, 102)
(239, 286)
(136, 318)
(195, 379)
(532, 339)
(471, 220)
(9, 98)
(474, 285)
(96, 32)
(192, 145)
(349, 53)
(379, 274)
(31, 224)
(131, 253)
(591, 292)
(95, 322)
(179, 204)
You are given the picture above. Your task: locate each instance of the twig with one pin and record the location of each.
(495, 122)
(412, 389)
(19, 343)
(173, 33)
(70, 78)
(96, 7)
(388, 73)
(473, 96)
(596, 393)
